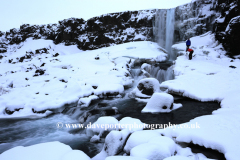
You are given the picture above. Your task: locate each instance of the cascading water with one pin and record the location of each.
(159, 27)
(164, 30)
(170, 32)
(160, 74)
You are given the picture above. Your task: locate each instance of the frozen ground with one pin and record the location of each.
(38, 76)
(209, 76)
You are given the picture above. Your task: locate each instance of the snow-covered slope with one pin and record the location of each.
(209, 76)
(37, 75)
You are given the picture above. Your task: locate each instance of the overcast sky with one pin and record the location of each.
(13, 13)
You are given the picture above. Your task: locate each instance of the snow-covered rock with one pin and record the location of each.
(105, 123)
(85, 102)
(139, 137)
(158, 147)
(166, 143)
(145, 88)
(146, 67)
(160, 102)
(149, 151)
(46, 151)
(124, 158)
(177, 158)
(115, 141)
(54, 77)
(75, 154)
(132, 124)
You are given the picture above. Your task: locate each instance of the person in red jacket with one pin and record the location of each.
(191, 53)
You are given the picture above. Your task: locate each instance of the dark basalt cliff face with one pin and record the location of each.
(97, 32)
(219, 16)
(194, 19)
(227, 26)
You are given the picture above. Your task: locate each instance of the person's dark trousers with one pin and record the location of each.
(187, 47)
(190, 55)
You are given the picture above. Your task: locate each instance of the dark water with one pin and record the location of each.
(213, 154)
(191, 109)
(29, 132)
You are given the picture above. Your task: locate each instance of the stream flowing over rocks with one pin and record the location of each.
(115, 86)
(31, 132)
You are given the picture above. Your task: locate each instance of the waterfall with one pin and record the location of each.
(160, 27)
(161, 74)
(163, 30)
(135, 72)
(170, 32)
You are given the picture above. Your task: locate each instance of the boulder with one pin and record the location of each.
(159, 102)
(113, 145)
(145, 88)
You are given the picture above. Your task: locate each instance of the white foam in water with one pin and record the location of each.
(29, 132)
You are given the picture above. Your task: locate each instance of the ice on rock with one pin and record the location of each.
(149, 151)
(46, 151)
(124, 158)
(145, 88)
(132, 124)
(105, 123)
(139, 137)
(160, 102)
(177, 158)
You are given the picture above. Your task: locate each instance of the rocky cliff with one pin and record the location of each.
(97, 32)
(219, 16)
(200, 16)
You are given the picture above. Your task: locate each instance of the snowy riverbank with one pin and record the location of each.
(209, 76)
(38, 77)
